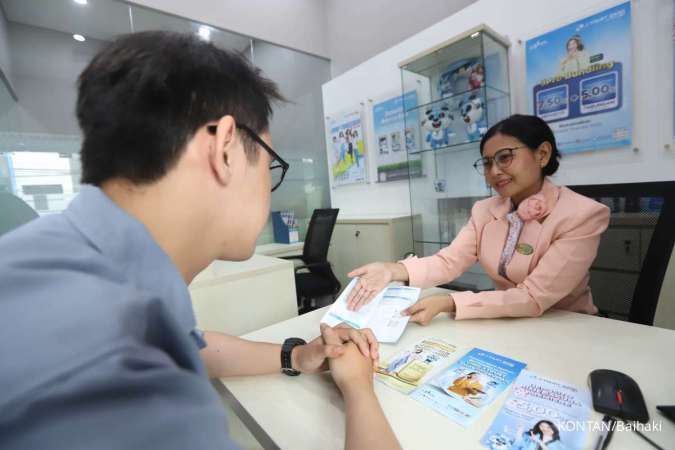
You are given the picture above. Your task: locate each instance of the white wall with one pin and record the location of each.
(519, 21)
(297, 24)
(357, 30)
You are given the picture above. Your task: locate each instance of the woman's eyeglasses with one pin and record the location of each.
(502, 158)
(278, 167)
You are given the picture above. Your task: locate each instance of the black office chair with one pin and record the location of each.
(315, 277)
(634, 252)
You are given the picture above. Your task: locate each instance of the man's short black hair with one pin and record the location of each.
(143, 97)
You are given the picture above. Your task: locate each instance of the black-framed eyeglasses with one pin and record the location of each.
(502, 158)
(278, 167)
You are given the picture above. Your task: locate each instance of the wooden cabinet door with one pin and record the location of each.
(340, 252)
(354, 245)
(373, 242)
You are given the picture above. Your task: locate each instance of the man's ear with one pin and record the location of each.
(545, 150)
(223, 146)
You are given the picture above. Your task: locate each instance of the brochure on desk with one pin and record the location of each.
(540, 410)
(382, 315)
(413, 366)
(464, 390)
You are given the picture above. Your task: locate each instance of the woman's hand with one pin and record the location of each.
(372, 279)
(429, 307)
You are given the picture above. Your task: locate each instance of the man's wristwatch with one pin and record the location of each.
(286, 349)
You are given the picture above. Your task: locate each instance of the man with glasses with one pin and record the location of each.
(99, 343)
(278, 167)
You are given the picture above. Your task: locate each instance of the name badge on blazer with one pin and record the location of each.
(524, 249)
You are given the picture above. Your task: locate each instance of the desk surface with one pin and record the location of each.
(307, 412)
(371, 218)
(219, 271)
(276, 249)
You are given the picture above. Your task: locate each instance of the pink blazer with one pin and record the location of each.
(555, 275)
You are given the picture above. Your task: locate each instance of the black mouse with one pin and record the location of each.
(618, 395)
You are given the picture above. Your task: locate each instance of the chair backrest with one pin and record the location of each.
(319, 232)
(634, 252)
(14, 212)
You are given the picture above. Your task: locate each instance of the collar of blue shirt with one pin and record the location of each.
(127, 242)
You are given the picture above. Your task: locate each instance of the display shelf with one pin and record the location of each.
(462, 88)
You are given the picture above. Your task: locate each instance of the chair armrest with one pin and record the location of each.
(291, 257)
(312, 265)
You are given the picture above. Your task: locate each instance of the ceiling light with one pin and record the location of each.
(204, 32)
(79, 38)
(80, 2)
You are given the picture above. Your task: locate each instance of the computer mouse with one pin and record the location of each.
(617, 395)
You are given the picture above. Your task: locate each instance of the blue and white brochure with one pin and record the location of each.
(465, 389)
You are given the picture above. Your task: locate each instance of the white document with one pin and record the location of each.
(382, 314)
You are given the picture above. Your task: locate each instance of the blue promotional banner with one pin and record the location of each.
(393, 139)
(579, 81)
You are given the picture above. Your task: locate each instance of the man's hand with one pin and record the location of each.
(429, 307)
(314, 356)
(367, 427)
(352, 371)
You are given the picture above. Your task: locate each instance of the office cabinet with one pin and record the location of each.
(240, 297)
(360, 240)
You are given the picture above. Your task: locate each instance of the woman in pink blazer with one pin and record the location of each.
(534, 239)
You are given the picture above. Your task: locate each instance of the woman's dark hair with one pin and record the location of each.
(577, 38)
(531, 131)
(536, 430)
(142, 98)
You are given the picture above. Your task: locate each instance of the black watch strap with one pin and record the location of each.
(286, 349)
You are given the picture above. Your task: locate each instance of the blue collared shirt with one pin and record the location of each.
(98, 347)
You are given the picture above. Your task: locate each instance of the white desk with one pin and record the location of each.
(278, 250)
(238, 297)
(307, 412)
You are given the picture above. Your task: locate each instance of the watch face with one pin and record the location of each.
(286, 349)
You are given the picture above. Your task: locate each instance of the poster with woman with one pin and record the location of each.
(579, 79)
(347, 149)
(394, 140)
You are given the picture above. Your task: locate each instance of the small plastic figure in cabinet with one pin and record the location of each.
(436, 123)
(477, 77)
(472, 110)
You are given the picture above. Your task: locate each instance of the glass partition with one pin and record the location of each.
(39, 136)
(297, 130)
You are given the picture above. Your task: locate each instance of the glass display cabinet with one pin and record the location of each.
(458, 90)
